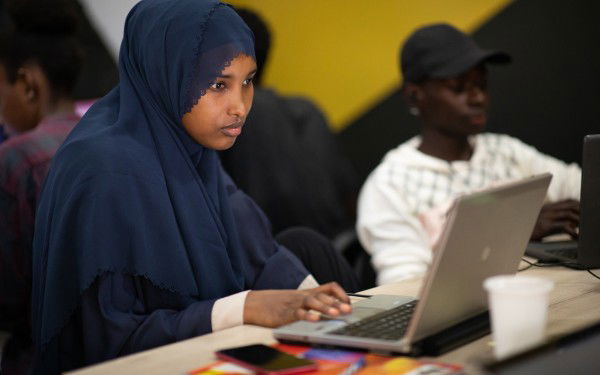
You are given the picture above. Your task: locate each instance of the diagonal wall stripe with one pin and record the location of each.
(343, 53)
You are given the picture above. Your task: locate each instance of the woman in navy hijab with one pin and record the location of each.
(141, 239)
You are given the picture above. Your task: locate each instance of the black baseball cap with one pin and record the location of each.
(443, 51)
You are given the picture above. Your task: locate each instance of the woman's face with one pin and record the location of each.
(217, 119)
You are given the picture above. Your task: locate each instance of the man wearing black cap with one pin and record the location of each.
(402, 203)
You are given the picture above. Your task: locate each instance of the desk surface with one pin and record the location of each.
(574, 303)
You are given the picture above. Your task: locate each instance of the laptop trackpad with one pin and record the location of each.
(370, 306)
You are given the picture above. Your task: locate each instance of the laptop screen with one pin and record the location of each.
(589, 235)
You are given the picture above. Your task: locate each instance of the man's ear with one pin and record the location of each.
(412, 94)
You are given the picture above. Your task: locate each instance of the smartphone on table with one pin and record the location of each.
(264, 359)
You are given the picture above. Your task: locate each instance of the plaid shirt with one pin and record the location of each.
(24, 162)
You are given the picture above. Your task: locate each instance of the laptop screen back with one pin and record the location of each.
(485, 235)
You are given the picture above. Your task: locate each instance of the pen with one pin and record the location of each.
(353, 368)
(358, 295)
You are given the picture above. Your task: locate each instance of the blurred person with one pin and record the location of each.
(39, 66)
(287, 159)
(402, 204)
(3, 135)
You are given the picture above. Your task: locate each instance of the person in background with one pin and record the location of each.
(288, 160)
(141, 238)
(40, 62)
(403, 201)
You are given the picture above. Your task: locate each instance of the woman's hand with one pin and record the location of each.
(273, 308)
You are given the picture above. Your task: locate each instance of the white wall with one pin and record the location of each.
(108, 18)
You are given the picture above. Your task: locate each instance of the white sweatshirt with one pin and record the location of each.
(408, 187)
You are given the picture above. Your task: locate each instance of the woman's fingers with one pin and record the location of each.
(315, 305)
(319, 302)
(340, 298)
(329, 299)
(335, 290)
(304, 314)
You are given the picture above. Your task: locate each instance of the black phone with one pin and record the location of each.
(264, 359)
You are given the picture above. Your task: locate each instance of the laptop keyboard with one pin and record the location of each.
(565, 253)
(386, 325)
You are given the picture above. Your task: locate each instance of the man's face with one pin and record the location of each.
(456, 106)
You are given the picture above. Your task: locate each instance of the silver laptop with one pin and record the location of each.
(584, 253)
(485, 235)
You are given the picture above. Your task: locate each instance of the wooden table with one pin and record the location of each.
(574, 303)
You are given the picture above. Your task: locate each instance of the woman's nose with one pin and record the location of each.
(237, 105)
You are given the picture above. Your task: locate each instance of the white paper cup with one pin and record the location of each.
(518, 309)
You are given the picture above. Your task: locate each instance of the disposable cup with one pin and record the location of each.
(518, 309)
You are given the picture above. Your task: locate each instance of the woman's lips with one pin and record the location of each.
(233, 130)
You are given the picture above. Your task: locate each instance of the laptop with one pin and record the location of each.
(485, 235)
(584, 253)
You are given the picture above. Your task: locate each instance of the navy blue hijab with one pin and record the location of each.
(130, 191)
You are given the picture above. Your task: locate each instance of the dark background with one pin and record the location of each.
(548, 97)
(99, 72)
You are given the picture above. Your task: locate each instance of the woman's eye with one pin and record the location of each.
(217, 85)
(248, 81)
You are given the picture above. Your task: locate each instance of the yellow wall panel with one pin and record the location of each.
(343, 54)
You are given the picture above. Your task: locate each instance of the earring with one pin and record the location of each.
(414, 111)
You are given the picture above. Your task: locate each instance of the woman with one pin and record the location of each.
(141, 239)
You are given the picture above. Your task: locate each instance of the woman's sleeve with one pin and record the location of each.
(118, 316)
(268, 265)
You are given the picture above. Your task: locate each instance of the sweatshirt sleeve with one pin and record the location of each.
(566, 178)
(395, 238)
